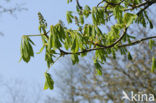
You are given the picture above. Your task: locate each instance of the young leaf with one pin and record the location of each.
(153, 64)
(41, 49)
(129, 18)
(129, 56)
(74, 58)
(81, 19)
(69, 16)
(46, 85)
(151, 44)
(49, 81)
(86, 11)
(98, 68)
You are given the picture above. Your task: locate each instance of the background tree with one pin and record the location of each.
(10, 10)
(92, 36)
(81, 84)
(20, 91)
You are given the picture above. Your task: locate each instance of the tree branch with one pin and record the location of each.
(100, 3)
(138, 41)
(146, 3)
(99, 48)
(78, 4)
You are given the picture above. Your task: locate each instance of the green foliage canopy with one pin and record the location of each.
(59, 41)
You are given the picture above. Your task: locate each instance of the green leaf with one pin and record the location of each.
(153, 64)
(74, 58)
(55, 40)
(150, 22)
(68, 1)
(26, 49)
(73, 45)
(129, 56)
(89, 31)
(69, 17)
(118, 13)
(129, 18)
(98, 68)
(151, 43)
(67, 42)
(98, 31)
(49, 81)
(94, 19)
(40, 50)
(50, 41)
(48, 58)
(86, 11)
(81, 19)
(46, 85)
(31, 41)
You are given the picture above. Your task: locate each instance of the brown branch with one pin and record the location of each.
(138, 41)
(100, 3)
(146, 3)
(78, 4)
(110, 3)
(149, 4)
(99, 48)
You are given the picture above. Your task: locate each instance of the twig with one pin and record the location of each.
(138, 41)
(99, 48)
(100, 3)
(78, 4)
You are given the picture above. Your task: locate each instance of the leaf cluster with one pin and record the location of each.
(89, 37)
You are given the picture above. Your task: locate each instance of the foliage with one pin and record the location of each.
(90, 37)
(49, 82)
(79, 83)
